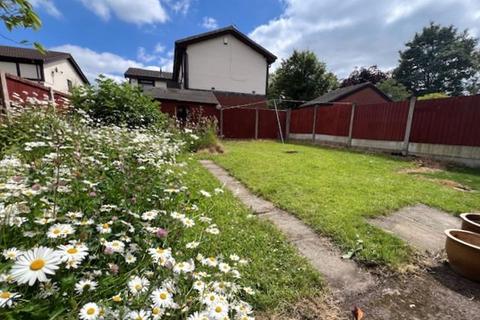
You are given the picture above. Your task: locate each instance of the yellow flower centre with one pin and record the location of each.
(163, 296)
(160, 250)
(138, 286)
(90, 311)
(106, 226)
(5, 295)
(212, 298)
(57, 231)
(218, 309)
(72, 250)
(37, 264)
(117, 298)
(156, 311)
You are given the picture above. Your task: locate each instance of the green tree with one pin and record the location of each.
(20, 14)
(434, 95)
(395, 90)
(118, 104)
(371, 74)
(301, 77)
(439, 59)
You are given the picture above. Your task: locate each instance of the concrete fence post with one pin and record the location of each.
(256, 122)
(408, 127)
(314, 123)
(287, 123)
(4, 95)
(350, 129)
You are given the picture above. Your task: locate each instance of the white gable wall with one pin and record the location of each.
(57, 73)
(233, 67)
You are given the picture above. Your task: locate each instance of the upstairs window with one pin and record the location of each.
(144, 83)
(69, 85)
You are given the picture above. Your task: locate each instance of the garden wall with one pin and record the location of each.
(447, 128)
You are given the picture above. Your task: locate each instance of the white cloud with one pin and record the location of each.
(137, 12)
(48, 6)
(143, 56)
(179, 6)
(112, 65)
(159, 48)
(358, 33)
(209, 23)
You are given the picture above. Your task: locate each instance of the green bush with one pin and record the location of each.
(200, 132)
(120, 104)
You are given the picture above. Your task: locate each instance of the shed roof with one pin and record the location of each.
(340, 93)
(183, 95)
(33, 55)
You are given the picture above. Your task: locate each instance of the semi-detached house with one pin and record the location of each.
(223, 67)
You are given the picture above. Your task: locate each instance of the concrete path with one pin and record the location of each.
(341, 275)
(420, 226)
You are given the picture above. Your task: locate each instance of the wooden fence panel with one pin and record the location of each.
(268, 124)
(449, 121)
(301, 120)
(384, 121)
(333, 120)
(239, 123)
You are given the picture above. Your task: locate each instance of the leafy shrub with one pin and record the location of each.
(200, 132)
(96, 223)
(435, 95)
(118, 104)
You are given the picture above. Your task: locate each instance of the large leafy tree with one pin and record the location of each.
(439, 59)
(301, 77)
(360, 75)
(395, 90)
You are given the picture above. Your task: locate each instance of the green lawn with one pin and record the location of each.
(278, 274)
(334, 191)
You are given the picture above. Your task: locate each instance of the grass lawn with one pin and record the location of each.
(278, 274)
(334, 191)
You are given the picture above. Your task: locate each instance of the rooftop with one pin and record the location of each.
(146, 73)
(183, 95)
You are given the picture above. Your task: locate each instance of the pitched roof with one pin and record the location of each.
(181, 45)
(183, 95)
(145, 73)
(33, 55)
(340, 93)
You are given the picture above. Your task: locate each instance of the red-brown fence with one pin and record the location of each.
(21, 91)
(252, 123)
(386, 121)
(448, 128)
(451, 121)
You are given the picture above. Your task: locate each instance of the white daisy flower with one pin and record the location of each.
(224, 267)
(139, 315)
(60, 230)
(89, 311)
(104, 228)
(234, 257)
(85, 285)
(198, 316)
(162, 298)
(7, 298)
(187, 222)
(115, 246)
(156, 312)
(76, 252)
(210, 299)
(130, 258)
(138, 285)
(218, 311)
(35, 264)
(150, 215)
(160, 253)
(210, 261)
(192, 245)
(11, 253)
(184, 267)
(205, 193)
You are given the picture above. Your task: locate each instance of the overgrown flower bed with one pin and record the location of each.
(95, 223)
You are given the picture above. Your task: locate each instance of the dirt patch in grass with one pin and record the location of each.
(315, 308)
(453, 184)
(423, 166)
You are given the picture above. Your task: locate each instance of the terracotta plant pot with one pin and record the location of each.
(463, 251)
(471, 222)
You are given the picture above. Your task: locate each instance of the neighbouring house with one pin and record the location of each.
(150, 78)
(54, 69)
(215, 69)
(363, 93)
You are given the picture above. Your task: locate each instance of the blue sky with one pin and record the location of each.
(107, 36)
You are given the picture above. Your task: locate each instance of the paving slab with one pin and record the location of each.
(341, 275)
(421, 226)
